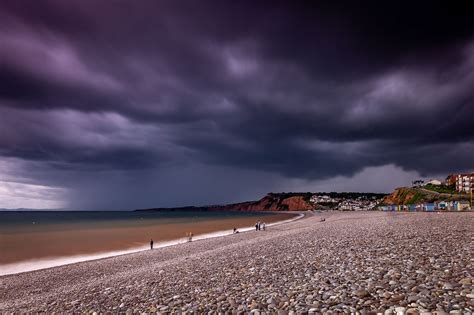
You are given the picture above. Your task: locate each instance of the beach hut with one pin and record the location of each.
(450, 205)
(461, 205)
(419, 207)
(430, 206)
(464, 205)
(442, 205)
(411, 207)
(456, 205)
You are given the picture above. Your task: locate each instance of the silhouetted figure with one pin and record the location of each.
(190, 236)
(151, 243)
(235, 230)
(256, 226)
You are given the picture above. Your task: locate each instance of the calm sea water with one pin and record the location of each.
(19, 221)
(37, 239)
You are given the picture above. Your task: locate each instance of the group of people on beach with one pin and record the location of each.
(259, 226)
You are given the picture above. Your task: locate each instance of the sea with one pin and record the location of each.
(31, 240)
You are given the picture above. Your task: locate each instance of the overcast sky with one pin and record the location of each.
(132, 104)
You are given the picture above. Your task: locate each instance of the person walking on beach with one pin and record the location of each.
(256, 226)
(263, 226)
(151, 243)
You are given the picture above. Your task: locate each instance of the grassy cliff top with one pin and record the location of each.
(405, 195)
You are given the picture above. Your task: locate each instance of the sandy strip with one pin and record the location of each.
(353, 261)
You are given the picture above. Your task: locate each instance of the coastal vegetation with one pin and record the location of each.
(406, 195)
(443, 189)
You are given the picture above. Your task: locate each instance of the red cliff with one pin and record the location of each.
(271, 202)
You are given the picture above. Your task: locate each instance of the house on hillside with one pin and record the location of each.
(417, 183)
(450, 180)
(465, 182)
(434, 182)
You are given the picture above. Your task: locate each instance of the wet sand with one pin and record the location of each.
(82, 239)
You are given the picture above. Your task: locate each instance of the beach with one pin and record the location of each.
(354, 261)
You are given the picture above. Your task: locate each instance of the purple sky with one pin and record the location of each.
(126, 104)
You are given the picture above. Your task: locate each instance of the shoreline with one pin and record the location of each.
(47, 263)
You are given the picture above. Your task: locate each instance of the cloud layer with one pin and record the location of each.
(161, 103)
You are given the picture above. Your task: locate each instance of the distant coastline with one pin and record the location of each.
(291, 201)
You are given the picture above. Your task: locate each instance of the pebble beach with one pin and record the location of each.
(375, 262)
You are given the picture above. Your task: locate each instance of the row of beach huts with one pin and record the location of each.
(430, 206)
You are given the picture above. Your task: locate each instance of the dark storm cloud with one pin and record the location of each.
(303, 90)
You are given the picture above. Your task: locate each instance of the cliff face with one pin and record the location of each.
(271, 202)
(401, 196)
(297, 203)
(274, 202)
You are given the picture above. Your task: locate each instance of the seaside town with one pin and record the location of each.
(346, 201)
(452, 194)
